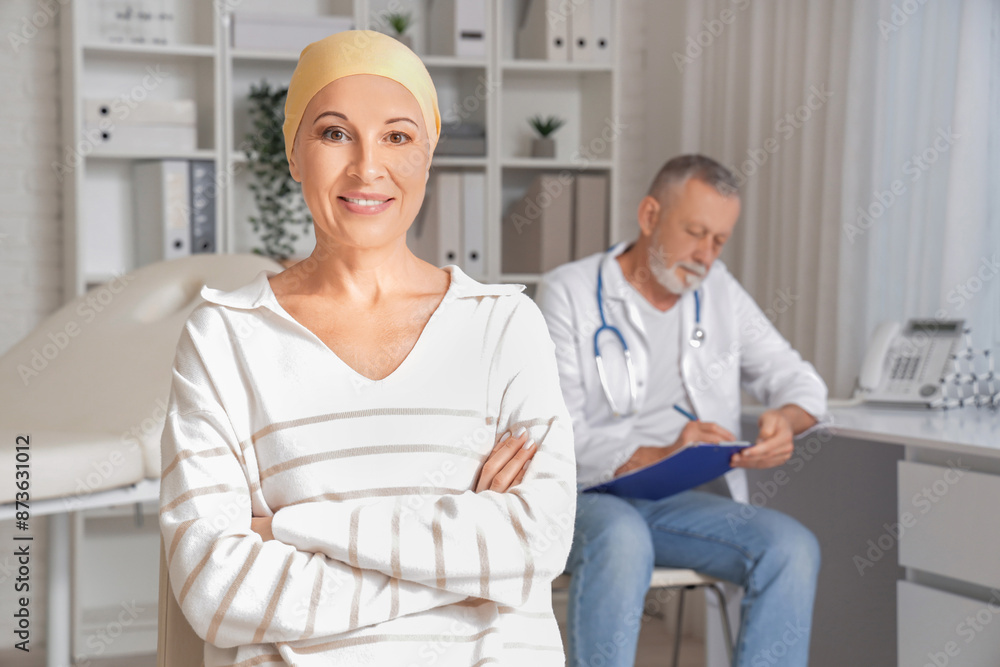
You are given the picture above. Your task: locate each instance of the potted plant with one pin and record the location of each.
(544, 145)
(278, 196)
(400, 23)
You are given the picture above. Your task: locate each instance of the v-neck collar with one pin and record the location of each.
(259, 293)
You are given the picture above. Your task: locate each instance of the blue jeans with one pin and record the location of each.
(618, 541)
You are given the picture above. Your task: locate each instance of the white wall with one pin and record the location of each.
(635, 176)
(30, 230)
(30, 226)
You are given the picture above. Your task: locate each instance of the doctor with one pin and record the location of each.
(676, 339)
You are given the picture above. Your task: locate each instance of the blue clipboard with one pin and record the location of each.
(685, 469)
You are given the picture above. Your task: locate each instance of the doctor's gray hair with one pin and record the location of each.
(678, 170)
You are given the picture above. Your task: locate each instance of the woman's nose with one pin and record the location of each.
(367, 161)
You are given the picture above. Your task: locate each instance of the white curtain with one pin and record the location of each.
(867, 137)
(928, 86)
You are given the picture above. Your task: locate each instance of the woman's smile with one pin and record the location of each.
(365, 203)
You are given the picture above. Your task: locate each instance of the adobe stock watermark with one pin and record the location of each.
(790, 635)
(767, 490)
(471, 103)
(898, 17)
(88, 310)
(654, 606)
(785, 128)
(7, 570)
(924, 501)
(695, 45)
(552, 188)
(30, 25)
(963, 292)
(968, 629)
(119, 110)
(598, 146)
(102, 470)
(915, 167)
(751, 330)
(459, 630)
(562, 12)
(101, 640)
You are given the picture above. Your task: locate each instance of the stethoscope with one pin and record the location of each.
(696, 341)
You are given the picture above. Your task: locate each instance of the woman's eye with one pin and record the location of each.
(398, 138)
(334, 133)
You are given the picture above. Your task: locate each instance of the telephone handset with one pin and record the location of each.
(906, 364)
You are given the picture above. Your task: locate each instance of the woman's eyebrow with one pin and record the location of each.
(394, 120)
(330, 113)
(388, 122)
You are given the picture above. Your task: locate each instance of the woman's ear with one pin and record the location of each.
(294, 168)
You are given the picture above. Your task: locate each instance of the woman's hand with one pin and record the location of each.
(262, 526)
(507, 463)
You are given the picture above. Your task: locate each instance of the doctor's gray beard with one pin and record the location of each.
(667, 275)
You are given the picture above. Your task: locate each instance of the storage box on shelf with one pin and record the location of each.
(171, 23)
(440, 30)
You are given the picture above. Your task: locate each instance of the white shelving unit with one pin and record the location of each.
(498, 91)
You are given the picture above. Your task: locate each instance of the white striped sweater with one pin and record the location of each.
(384, 554)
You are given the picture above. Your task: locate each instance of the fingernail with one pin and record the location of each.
(504, 436)
(519, 432)
(529, 444)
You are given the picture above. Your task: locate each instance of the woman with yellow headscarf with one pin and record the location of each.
(346, 473)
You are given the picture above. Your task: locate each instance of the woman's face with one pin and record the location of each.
(362, 154)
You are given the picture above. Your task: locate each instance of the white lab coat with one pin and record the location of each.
(741, 348)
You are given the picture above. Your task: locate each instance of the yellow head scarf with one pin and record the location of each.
(358, 52)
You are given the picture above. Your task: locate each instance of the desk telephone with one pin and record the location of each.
(906, 364)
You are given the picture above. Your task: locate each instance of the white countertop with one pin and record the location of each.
(967, 430)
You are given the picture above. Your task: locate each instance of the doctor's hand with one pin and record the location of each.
(507, 463)
(774, 443)
(695, 431)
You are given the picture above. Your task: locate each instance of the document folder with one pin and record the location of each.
(591, 214)
(436, 234)
(685, 469)
(473, 214)
(544, 32)
(580, 29)
(162, 209)
(535, 235)
(601, 19)
(458, 28)
(203, 193)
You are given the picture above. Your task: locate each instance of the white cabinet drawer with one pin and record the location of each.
(950, 521)
(938, 628)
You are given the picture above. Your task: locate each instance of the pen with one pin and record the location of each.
(685, 413)
(694, 419)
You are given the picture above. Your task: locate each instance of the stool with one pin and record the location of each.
(685, 580)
